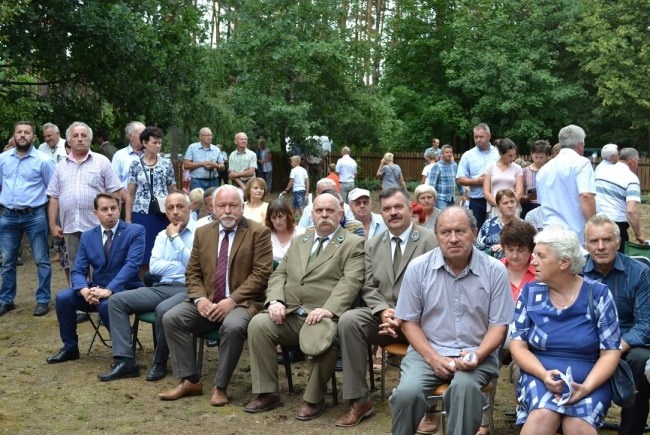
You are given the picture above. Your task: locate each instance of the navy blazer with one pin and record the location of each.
(120, 270)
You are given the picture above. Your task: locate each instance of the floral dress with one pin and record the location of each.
(163, 176)
(562, 338)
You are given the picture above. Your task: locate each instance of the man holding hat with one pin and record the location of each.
(303, 303)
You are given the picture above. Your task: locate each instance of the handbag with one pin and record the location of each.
(622, 381)
(156, 204)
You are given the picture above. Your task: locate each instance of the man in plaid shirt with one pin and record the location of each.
(443, 178)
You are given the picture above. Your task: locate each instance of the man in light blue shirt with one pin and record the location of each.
(471, 171)
(25, 173)
(169, 258)
(204, 161)
(131, 153)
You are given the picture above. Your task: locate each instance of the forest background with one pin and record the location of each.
(374, 75)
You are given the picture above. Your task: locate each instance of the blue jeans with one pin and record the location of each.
(441, 204)
(12, 226)
(205, 183)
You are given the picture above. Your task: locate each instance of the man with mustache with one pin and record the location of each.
(317, 281)
(24, 174)
(375, 323)
(229, 268)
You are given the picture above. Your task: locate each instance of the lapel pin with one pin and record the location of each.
(383, 239)
(415, 236)
(340, 238)
(307, 237)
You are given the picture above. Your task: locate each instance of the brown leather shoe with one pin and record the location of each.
(219, 397)
(309, 411)
(264, 402)
(184, 389)
(428, 425)
(358, 410)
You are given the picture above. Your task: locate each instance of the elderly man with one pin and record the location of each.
(361, 206)
(573, 174)
(74, 187)
(316, 283)
(454, 306)
(204, 161)
(229, 268)
(242, 162)
(322, 185)
(24, 176)
(123, 158)
(629, 282)
(113, 251)
(386, 258)
(471, 171)
(346, 167)
(619, 194)
(169, 258)
(609, 156)
(54, 145)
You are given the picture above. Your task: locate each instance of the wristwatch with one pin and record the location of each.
(172, 237)
(274, 301)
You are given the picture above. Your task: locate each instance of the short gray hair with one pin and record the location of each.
(564, 244)
(50, 126)
(231, 188)
(132, 126)
(482, 126)
(571, 136)
(628, 154)
(600, 219)
(609, 150)
(425, 188)
(76, 124)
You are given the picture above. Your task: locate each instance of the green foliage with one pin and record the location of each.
(612, 44)
(371, 184)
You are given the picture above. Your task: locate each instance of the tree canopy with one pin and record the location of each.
(375, 75)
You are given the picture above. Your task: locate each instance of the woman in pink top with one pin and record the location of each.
(503, 174)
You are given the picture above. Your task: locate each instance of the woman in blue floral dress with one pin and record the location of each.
(553, 331)
(150, 174)
(489, 235)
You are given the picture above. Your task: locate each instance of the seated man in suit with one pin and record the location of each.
(375, 323)
(169, 258)
(114, 251)
(229, 268)
(318, 280)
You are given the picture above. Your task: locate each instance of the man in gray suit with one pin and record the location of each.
(318, 280)
(386, 257)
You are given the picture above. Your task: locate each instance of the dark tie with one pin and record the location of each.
(320, 241)
(222, 269)
(108, 243)
(397, 258)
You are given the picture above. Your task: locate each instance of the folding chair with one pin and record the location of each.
(287, 368)
(97, 332)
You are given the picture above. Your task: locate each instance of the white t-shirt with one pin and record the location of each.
(427, 169)
(299, 176)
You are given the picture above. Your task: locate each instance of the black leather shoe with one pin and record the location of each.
(64, 355)
(122, 370)
(5, 308)
(41, 310)
(157, 372)
(82, 317)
